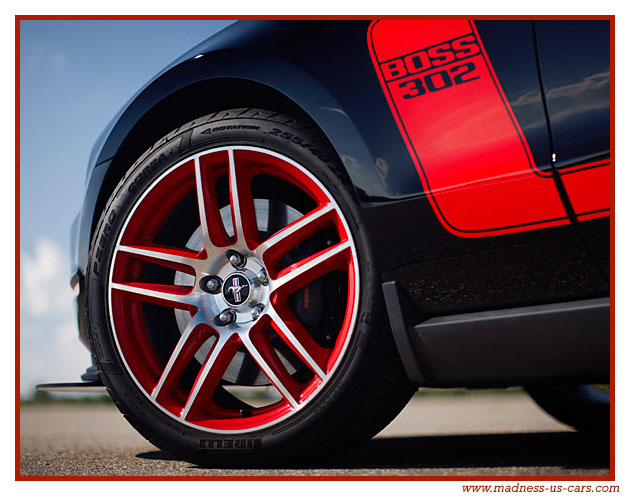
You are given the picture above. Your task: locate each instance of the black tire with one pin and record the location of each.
(369, 386)
(581, 406)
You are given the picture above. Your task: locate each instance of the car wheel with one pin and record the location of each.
(582, 406)
(233, 308)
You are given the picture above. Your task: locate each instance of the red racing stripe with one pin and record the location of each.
(469, 150)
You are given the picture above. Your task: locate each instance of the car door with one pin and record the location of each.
(575, 65)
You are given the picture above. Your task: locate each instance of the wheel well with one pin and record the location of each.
(183, 106)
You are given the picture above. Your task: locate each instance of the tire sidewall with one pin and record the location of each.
(301, 434)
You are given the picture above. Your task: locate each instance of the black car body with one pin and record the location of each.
(489, 278)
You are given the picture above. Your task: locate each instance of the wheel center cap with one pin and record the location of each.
(236, 289)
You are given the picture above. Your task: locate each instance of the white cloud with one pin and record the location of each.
(46, 59)
(50, 353)
(44, 285)
(58, 61)
(50, 350)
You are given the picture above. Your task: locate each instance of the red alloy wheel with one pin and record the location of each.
(235, 293)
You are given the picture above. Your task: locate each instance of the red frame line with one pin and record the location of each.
(19, 477)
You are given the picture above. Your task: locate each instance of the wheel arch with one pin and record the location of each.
(227, 79)
(185, 105)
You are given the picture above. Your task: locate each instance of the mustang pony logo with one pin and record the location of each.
(236, 290)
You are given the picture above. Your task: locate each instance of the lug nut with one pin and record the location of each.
(213, 284)
(226, 317)
(262, 277)
(257, 311)
(236, 259)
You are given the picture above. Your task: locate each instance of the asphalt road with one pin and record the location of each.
(480, 435)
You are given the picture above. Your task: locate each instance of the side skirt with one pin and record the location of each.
(560, 342)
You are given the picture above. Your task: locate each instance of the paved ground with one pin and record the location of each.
(483, 435)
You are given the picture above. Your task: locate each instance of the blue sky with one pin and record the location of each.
(74, 76)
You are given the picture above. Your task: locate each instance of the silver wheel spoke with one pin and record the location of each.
(205, 371)
(290, 230)
(266, 368)
(236, 198)
(312, 264)
(239, 234)
(211, 248)
(156, 291)
(190, 328)
(161, 254)
(302, 353)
